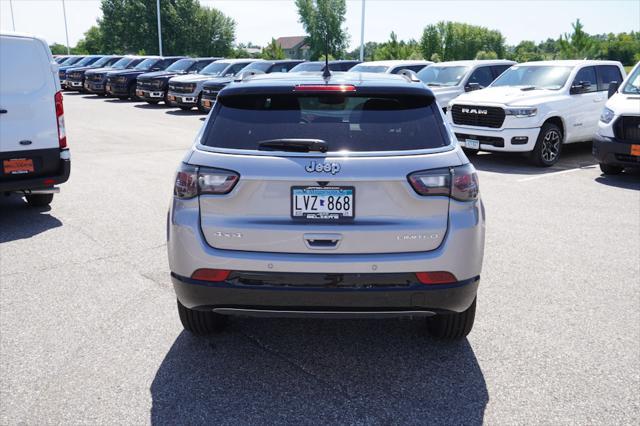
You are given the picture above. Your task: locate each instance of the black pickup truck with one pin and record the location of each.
(153, 86)
(76, 76)
(95, 79)
(122, 84)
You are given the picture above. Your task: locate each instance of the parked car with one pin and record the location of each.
(61, 58)
(211, 88)
(391, 66)
(344, 197)
(87, 61)
(535, 107)
(76, 76)
(340, 65)
(153, 87)
(95, 79)
(122, 83)
(34, 156)
(185, 91)
(448, 80)
(73, 61)
(617, 143)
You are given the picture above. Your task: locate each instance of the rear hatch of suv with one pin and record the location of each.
(322, 171)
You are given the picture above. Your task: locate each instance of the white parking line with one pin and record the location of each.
(561, 172)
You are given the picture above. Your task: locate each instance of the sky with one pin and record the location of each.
(260, 20)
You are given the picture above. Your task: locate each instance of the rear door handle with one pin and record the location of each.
(322, 241)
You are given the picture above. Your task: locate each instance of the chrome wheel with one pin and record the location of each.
(551, 146)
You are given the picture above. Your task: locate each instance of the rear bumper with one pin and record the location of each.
(614, 152)
(117, 89)
(39, 182)
(229, 297)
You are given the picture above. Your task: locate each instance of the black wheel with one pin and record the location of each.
(185, 108)
(39, 200)
(608, 169)
(548, 146)
(153, 102)
(452, 326)
(201, 108)
(201, 323)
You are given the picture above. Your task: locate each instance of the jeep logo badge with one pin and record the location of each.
(314, 167)
(474, 111)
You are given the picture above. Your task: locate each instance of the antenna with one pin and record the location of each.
(326, 73)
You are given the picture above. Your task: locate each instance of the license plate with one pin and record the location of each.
(323, 202)
(472, 143)
(17, 166)
(139, 93)
(206, 103)
(635, 150)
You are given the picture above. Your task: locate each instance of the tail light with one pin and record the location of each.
(214, 275)
(62, 132)
(192, 181)
(459, 183)
(437, 277)
(325, 88)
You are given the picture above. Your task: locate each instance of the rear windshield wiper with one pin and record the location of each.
(294, 145)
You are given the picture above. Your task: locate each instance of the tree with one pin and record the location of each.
(486, 55)
(322, 20)
(394, 49)
(130, 26)
(456, 40)
(576, 45)
(58, 49)
(273, 51)
(92, 42)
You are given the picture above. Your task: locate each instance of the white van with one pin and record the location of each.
(535, 107)
(34, 156)
(616, 145)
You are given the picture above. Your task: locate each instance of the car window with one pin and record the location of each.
(290, 65)
(164, 63)
(632, 87)
(607, 74)
(346, 123)
(548, 77)
(235, 69)
(434, 75)
(587, 74)
(199, 66)
(483, 76)
(499, 69)
(369, 68)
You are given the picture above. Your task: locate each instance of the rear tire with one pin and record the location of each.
(185, 108)
(548, 147)
(608, 169)
(39, 200)
(452, 326)
(201, 323)
(132, 93)
(200, 107)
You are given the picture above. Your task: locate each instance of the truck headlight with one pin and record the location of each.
(521, 112)
(607, 115)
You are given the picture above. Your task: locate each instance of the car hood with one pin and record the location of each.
(508, 95)
(99, 70)
(159, 74)
(190, 78)
(121, 73)
(217, 81)
(622, 103)
(79, 69)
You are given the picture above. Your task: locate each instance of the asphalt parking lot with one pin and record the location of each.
(89, 332)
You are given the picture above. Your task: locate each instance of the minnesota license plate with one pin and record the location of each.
(472, 143)
(17, 166)
(323, 202)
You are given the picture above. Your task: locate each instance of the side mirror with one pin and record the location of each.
(580, 87)
(470, 87)
(613, 88)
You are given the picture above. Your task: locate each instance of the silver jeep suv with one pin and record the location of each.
(343, 196)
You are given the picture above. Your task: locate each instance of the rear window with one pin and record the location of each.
(345, 123)
(24, 66)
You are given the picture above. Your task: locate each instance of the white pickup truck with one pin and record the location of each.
(448, 80)
(535, 107)
(617, 143)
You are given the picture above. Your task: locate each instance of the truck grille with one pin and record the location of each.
(182, 88)
(477, 115)
(145, 84)
(75, 76)
(95, 77)
(627, 128)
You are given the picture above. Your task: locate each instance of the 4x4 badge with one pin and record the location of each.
(314, 167)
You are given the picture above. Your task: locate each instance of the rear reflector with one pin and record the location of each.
(438, 277)
(214, 275)
(324, 88)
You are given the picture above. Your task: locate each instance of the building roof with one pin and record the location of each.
(290, 42)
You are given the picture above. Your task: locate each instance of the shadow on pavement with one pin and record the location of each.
(629, 179)
(151, 106)
(120, 101)
(573, 156)
(316, 372)
(182, 112)
(19, 221)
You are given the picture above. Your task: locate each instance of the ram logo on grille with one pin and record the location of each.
(475, 111)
